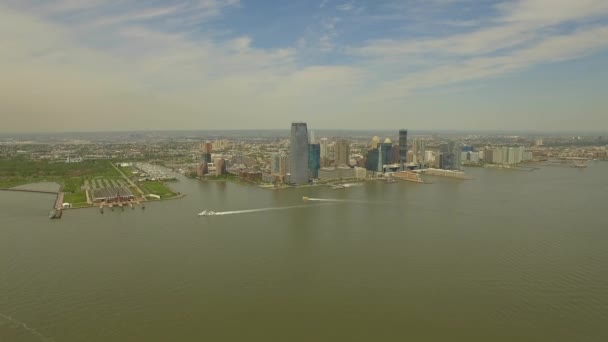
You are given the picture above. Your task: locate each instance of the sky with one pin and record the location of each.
(96, 65)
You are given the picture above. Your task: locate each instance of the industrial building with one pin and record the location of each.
(112, 194)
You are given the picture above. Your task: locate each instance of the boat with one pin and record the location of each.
(206, 213)
(52, 214)
(305, 198)
(390, 180)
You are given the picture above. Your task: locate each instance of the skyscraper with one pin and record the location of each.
(402, 147)
(343, 152)
(324, 153)
(314, 160)
(449, 156)
(299, 153)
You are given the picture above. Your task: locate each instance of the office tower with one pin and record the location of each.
(220, 167)
(418, 149)
(387, 151)
(456, 149)
(380, 166)
(276, 164)
(314, 160)
(299, 153)
(342, 152)
(283, 164)
(207, 157)
(449, 156)
(324, 155)
(375, 142)
(395, 154)
(402, 147)
(312, 137)
(371, 160)
(201, 170)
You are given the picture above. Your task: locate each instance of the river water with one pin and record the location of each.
(507, 256)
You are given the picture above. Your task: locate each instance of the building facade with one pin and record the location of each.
(314, 160)
(403, 147)
(298, 153)
(342, 152)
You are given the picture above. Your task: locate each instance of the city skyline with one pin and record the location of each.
(229, 64)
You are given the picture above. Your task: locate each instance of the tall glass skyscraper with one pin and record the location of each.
(299, 153)
(314, 160)
(402, 147)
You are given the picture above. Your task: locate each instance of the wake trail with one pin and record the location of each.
(26, 327)
(233, 212)
(344, 201)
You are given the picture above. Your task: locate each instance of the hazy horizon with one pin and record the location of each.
(445, 65)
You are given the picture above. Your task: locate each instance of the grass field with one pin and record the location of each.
(20, 171)
(157, 188)
(76, 197)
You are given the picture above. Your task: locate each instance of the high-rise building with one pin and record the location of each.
(449, 156)
(220, 167)
(418, 149)
(387, 151)
(402, 147)
(342, 152)
(276, 164)
(314, 160)
(201, 170)
(312, 137)
(299, 153)
(395, 154)
(324, 153)
(207, 157)
(539, 142)
(375, 142)
(371, 161)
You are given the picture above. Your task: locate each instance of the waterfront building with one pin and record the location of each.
(429, 156)
(419, 150)
(314, 160)
(283, 164)
(449, 156)
(299, 153)
(403, 147)
(324, 155)
(371, 161)
(342, 152)
(202, 169)
(276, 164)
(360, 173)
(474, 157)
(220, 167)
(340, 172)
(395, 154)
(387, 151)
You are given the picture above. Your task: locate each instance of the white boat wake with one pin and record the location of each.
(234, 212)
(26, 327)
(311, 199)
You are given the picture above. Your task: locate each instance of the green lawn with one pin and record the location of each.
(76, 197)
(19, 171)
(157, 188)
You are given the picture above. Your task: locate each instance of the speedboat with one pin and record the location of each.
(305, 198)
(206, 213)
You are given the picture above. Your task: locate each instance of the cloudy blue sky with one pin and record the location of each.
(233, 64)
